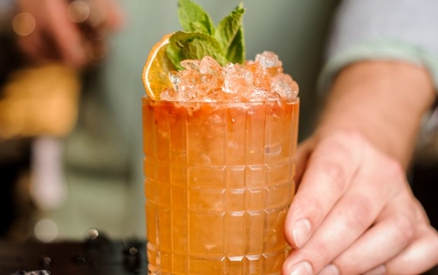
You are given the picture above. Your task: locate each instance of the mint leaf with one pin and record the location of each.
(193, 45)
(200, 38)
(229, 33)
(236, 51)
(198, 27)
(193, 18)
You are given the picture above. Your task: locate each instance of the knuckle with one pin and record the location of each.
(325, 255)
(404, 229)
(359, 214)
(334, 174)
(393, 173)
(393, 168)
(313, 208)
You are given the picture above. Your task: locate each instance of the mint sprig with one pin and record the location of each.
(199, 37)
(229, 33)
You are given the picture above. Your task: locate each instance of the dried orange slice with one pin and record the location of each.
(155, 75)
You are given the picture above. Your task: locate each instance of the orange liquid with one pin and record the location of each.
(219, 181)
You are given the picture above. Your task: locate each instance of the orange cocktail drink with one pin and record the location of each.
(219, 183)
(219, 137)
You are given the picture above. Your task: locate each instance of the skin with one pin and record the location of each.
(353, 195)
(57, 38)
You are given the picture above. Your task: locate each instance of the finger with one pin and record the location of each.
(32, 46)
(420, 256)
(354, 212)
(106, 15)
(325, 180)
(65, 34)
(115, 18)
(393, 231)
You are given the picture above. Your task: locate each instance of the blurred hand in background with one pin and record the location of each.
(72, 32)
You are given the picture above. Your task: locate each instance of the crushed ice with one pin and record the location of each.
(205, 80)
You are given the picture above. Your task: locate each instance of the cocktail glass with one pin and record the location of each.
(219, 181)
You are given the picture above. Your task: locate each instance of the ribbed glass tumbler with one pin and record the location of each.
(219, 181)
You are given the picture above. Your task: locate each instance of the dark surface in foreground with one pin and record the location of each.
(93, 256)
(99, 257)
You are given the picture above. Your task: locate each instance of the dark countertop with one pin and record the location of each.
(97, 256)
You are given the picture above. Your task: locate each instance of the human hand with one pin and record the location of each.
(354, 213)
(56, 35)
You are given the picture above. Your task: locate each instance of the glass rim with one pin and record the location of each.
(291, 100)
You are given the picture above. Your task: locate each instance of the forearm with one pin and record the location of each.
(384, 101)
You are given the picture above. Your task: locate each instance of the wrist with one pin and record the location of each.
(384, 101)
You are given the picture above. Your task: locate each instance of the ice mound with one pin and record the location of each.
(206, 81)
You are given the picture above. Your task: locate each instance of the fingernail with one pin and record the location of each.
(300, 232)
(303, 268)
(380, 270)
(330, 269)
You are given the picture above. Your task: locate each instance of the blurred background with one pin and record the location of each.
(70, 120)
(71, 156)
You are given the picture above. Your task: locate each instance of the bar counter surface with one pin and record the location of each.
(95, 255)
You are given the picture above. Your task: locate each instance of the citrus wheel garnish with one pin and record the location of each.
(155, 75)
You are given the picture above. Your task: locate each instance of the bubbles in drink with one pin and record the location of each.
(205, 80)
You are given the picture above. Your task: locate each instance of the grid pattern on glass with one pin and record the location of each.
(219, 180)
